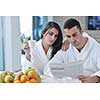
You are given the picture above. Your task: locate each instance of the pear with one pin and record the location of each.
(3, 74)
(9, 73)
(1, 80)
(13, 75)
(8, 79)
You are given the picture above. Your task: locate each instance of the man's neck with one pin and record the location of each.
(83, 43)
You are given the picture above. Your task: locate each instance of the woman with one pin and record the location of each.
(26, 60)
(47, 46)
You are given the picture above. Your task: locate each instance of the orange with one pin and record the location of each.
(33, 80)
(28, 78)
(28, 82)
(20, 73)
(31, 74)
(17, 78)
(38, 79)
(23, 78)
(17, 81)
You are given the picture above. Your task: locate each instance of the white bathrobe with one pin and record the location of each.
(90, 54)
(25, 63)
(39, 57)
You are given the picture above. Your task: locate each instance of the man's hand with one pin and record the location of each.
(89, 79)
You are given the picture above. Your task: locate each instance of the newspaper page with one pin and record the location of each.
(72, 70)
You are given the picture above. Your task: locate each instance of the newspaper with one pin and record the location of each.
(71, 70)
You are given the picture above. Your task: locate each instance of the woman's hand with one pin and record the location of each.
(65, 45)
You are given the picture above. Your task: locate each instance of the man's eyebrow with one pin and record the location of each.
(71, 35)
(74, 34)
(68, 36)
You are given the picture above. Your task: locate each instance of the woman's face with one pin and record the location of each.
(26, 47)
(50, 36)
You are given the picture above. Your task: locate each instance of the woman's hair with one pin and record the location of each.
(58, 43)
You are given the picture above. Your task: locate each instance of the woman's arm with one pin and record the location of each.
(65, 45)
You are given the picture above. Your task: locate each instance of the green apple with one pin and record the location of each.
(28, 69)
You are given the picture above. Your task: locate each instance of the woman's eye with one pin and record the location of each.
(50, 33)
(56, 35)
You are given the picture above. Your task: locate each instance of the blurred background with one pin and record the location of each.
(15, 29)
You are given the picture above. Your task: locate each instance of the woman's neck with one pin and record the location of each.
(45, 46)
(28, 57)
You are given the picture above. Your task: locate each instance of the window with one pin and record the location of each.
(93, 22)
(26, 27)
(38, 23)
(9, 43)
(1, 45)
(31, 26)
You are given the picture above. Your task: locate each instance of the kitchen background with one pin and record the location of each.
(15, 28)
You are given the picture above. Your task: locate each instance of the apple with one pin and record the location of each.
(28, 69)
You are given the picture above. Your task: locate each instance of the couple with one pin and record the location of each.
(82, 47)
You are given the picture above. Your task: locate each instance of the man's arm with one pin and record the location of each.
(89, 79)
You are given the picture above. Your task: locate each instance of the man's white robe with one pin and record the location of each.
(90, 54)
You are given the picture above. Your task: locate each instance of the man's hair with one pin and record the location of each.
(72, 23)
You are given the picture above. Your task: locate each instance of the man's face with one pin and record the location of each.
(74, 36)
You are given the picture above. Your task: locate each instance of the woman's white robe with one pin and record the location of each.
(39, 57)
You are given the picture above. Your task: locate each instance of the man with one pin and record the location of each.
(82, 47)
